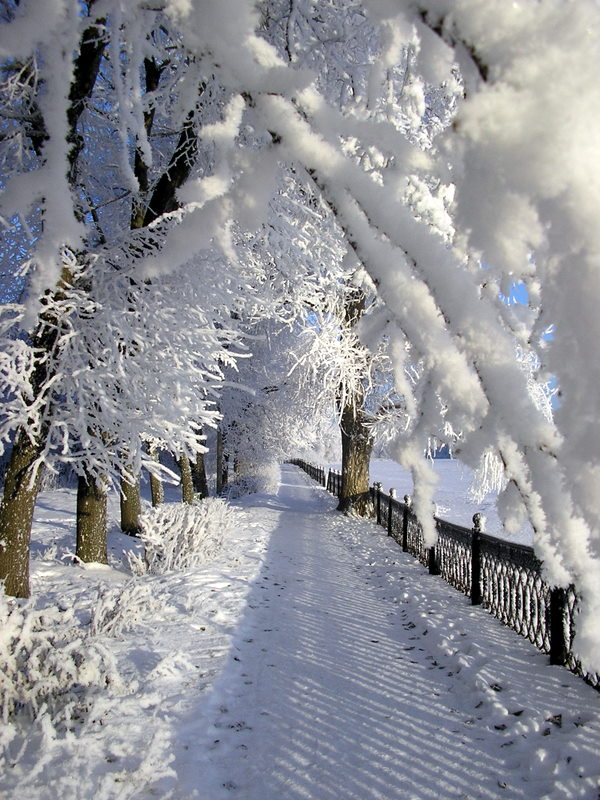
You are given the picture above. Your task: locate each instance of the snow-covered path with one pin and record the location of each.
(308, 659)
(354, 674)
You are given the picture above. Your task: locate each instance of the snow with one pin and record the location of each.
(453, 498)
(308, 658)
(353, 111)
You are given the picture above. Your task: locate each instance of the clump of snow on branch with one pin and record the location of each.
(17, 364)
(181, 536)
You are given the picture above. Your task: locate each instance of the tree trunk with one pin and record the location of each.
(221, 468)
(16, 515)
(199, 476)
(131, 507)
(187, 485)
(157, 491)
(91, 521)
(357, 444)
(21, 482)
(21, 485)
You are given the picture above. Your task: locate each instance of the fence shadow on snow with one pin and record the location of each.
(503, 577)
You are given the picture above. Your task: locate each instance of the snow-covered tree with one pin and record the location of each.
(275, 406)
(95, 369)
(442, 224)
(281, 381)
(339, 44)
(516, 179)
(521, 211)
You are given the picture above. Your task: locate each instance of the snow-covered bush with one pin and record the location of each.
(259, 479)
(123, 608)
(48, 663)
(180, 536)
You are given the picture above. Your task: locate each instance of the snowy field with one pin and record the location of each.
(309, 659)
(452, 497)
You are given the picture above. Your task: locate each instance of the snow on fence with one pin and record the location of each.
(503, 577)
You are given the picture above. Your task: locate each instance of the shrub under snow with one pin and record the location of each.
(122, 608)
(259, 479)
(48, 663)
(179, 536)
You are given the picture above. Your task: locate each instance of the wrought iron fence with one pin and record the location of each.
(504, 577)
(316, 473)
(334, 482)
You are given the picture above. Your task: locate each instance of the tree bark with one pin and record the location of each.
(131, 507)
(199, 476)
(22, 480)
(21, 486)
(86, 68)
(187, 485)
(221, 468)
(91, 521)
(157, 492)
(357, 442)
(164, 196)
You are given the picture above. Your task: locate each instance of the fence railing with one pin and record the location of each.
(316, 473)
(504, 577)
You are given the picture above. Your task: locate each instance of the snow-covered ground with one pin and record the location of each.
(454, 501)
(309, 659)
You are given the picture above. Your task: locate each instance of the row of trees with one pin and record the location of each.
(187, 182)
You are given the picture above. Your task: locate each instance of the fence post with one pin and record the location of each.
(476, 595)
(406, 511)
(377, 486)
(432, 563)
(391, 497)
(559, 646)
